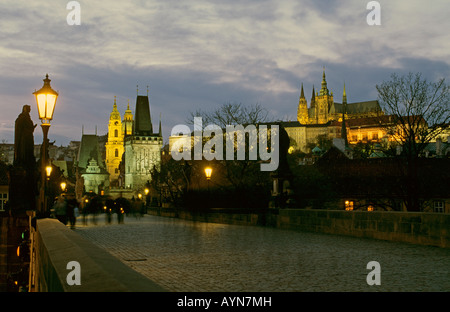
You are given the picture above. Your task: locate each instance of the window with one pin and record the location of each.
(375, 136)
(116, 133)
(116, 153)
(438, 206)
(3, 200)
(348, 205)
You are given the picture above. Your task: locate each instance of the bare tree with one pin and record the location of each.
(243, 172)
(416, 112)
(233, 113)
(420, 110)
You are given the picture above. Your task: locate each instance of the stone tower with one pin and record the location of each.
(324, 100)
(127, 124)
(312, 119)
(142, 147)
(302, 112)
(114, 145)
(344, 112)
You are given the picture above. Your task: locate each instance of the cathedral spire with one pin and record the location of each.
(302, 111)
(324, 89)
(344, 111)
(313, 98)
(160, 128)
(344, 96)
(115, 113)
(128, 120)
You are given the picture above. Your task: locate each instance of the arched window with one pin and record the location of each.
(116, 152)
(116, 133)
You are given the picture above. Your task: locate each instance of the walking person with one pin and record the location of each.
(61, 209)
(72, 211)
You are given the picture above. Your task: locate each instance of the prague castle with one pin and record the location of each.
(325, 119)
(358, 122)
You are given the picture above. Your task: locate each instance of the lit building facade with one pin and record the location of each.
(325, 118)
(91, 172)
(142, 147)
(114, 145)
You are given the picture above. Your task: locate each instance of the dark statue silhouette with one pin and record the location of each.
(24, 140)
(22, 175)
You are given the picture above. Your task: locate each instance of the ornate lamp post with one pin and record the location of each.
(46, 101)
(146, 191)
(208, 173)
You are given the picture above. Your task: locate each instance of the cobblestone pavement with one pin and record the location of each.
(191, 256)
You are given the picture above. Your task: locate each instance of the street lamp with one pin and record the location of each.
(46, 101)
(63, 186)
(48, 170)
(208, 172)
(146, 191)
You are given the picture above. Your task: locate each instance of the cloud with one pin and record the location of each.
(197, 54)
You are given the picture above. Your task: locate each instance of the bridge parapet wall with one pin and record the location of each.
(56, 245)
(417, 228)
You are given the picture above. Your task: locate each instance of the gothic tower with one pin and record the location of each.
(127, 124)
(324, 100)
(344, 112)
(142, 148)
(312, 116)
(302, 112)
(114, 145)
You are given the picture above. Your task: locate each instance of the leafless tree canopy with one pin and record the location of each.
(420, 109)
(233, 113)
(419, 112)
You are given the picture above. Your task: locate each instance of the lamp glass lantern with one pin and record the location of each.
(208, 173)
(46, 100)
(48, 169)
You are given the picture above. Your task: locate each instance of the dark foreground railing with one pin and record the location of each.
(67, 262)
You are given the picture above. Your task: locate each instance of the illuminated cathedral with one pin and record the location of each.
(353, 122)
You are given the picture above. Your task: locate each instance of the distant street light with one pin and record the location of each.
(208, 173)
(63, 186)
(146, 191)
(46, 101)
(48, 170)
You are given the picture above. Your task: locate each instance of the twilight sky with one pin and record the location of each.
(199, 54)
